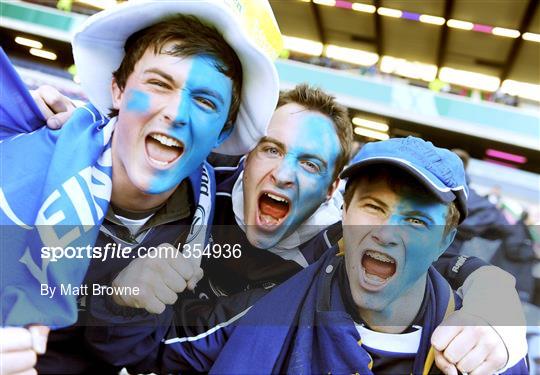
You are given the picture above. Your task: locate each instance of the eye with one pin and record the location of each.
(416, 221)
(271, 151)
(373, 207)
(159, 83)
(206, 103)
(310, 166)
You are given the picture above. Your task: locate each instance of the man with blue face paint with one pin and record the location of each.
(180, 88)
(371, 303)
(284, 193)
(404, 199)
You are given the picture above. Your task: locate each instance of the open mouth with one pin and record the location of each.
(377, 269)
(163, 150)
(273, 209)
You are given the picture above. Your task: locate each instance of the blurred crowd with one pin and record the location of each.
(436, 85)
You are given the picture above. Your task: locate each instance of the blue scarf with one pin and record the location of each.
(55, 191)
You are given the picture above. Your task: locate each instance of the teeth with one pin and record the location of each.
(276, 198)
(373, 279)
(379, 256)
(159, 162)
(267, 219)
(167, 141)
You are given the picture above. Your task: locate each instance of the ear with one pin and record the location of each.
(116, 94)
(331, 189)
(447, 241)
(224, 135)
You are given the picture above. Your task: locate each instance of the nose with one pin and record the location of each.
(176, 111)
(283, 174)
(385, 235)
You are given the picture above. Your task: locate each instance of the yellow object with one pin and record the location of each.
(430, 358)
(341, 246)
(436, 85)
(260, 24)
(72, 70)
(64, 5)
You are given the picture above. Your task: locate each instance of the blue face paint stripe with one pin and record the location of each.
(318, 130)
(196, 125)
(138, 101)
(314, 135)
(420, 245)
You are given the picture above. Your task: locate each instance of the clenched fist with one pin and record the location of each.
(19, 348)
(159, 280)
(466, 343)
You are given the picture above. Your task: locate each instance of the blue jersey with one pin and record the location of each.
(54, 193)
(55, 189)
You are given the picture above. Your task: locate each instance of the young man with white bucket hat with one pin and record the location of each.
(197, 82)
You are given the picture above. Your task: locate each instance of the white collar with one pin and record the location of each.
(407, 343)
(327, 214)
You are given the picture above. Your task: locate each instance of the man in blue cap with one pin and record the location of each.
(370, 304)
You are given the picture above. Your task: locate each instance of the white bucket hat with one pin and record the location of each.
(248, 26)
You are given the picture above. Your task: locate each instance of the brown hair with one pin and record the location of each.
(397, 179)
(315, 99)
(194, 38)
(463, 155)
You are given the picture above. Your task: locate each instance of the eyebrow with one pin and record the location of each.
(267, 139)
(168, 77)
(378, 201)
(161, 73)
(284, 147)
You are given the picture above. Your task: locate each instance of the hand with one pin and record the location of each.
(55, 107)
(466, 343)
(159, 280)
(19, 348)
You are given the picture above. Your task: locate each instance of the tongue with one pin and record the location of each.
(378, 268)
(270, 207)
(160, 152)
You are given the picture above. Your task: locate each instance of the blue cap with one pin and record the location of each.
(438, 169)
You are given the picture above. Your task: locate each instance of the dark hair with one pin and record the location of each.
(463, 155)
(397, 179)
(315, 99)
(194, 38)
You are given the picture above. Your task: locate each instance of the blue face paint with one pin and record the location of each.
(171, 113)
(406, 227)
(423, 241)
(138, 101)
(302, 171)
(203, 109)
(316, 136)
